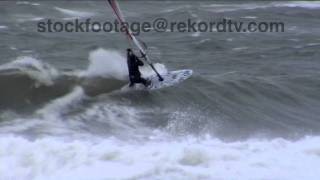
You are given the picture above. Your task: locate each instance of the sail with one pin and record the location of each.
(115, 6)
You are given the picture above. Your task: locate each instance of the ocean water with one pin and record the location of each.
(250, 111)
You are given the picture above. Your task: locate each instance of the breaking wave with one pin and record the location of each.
(54, 158)
(30, 81)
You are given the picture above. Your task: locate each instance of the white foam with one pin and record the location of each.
(49, 119)
(196, 34)
(233, 7)
(27, 18)
(313, 44)
(302, 4)
(250, 17)
(36, 19)
(251, 6)
(106, 63)
(112, 64)
(27, 3)
(62, 104)
(119, 120)
(194, 15)
(240, 48)
(204, 40)
(74, 13)
(3, 27)
(184, 7)
(40, 71)
(53, 158)
(229, 39)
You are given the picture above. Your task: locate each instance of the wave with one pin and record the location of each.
(178, 8)
(229, 105)
(188, 158)
(299, 4)
(252, 6)
(106, 63)
(74, 13)
(59, 105)
(234, 106)
(29, 81)
(35, 69)
(27, 3)
(3, 27)
(77, 115)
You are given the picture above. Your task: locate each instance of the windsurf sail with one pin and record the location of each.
(142, 48)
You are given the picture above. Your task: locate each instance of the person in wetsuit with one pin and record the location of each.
(133, 66)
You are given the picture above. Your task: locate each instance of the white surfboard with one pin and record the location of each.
(169, 79)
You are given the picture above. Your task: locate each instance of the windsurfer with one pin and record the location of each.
(133, 66)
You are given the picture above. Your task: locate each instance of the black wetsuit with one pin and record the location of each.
(133, 66)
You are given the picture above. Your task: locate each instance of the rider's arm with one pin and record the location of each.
(139, 62)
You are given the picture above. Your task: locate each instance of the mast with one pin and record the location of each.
(116, 9)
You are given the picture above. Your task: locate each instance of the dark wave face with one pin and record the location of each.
(20, 91)
(252, 104)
